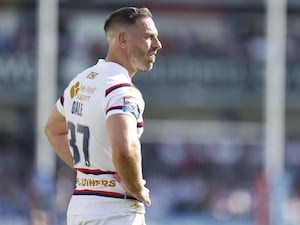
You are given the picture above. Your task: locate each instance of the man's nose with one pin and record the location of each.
(156, 43)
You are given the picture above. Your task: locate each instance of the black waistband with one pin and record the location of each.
(103, 194)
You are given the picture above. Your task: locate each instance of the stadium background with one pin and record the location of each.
(203, 142)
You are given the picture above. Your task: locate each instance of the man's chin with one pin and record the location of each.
(147, 68)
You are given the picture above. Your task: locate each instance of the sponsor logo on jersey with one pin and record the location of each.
(81, 92)
(92, 75)
(89, 182)
(130, 105)
(74, 89)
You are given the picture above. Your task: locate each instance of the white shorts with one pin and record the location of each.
(88, 206)
(130, 219)
(96, 210)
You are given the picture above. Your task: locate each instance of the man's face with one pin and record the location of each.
(144, 44)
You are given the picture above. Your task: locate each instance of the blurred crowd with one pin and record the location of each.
(224, 178)
(241, 38)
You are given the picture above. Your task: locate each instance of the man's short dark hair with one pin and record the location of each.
(126, 16)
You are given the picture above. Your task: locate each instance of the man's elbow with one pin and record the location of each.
(127, 150)
(47, 130)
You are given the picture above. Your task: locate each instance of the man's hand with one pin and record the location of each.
(143, 195)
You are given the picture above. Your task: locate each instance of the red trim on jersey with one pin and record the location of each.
(62, 100)
(102, 193)
(95, 172)
(108, 90)
(114, 107)
(140, 124)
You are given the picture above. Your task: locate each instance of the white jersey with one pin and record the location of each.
(91, 97)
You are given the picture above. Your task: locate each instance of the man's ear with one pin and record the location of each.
(123, 39)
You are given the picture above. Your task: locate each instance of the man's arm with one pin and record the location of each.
(126, 155)
(57, 133)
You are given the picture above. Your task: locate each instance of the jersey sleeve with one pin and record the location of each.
(60, 105)
(124, 99)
